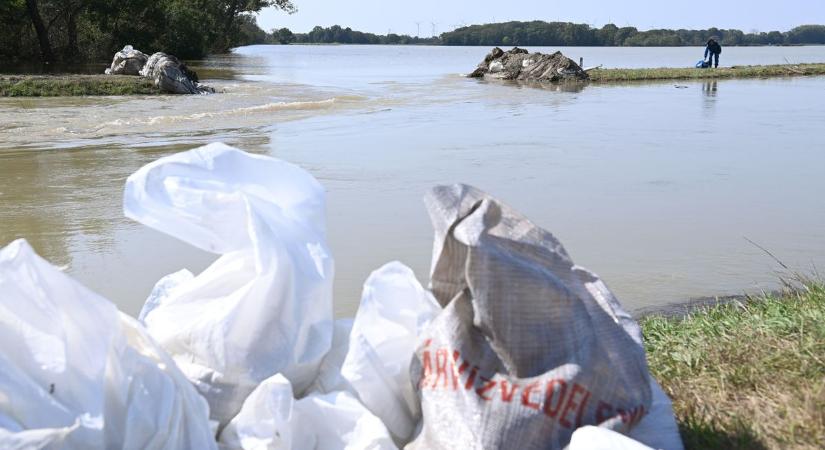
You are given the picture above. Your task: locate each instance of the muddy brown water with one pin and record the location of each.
(652, 187)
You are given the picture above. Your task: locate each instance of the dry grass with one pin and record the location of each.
(74, 85)
(746, 375)
(779, 70)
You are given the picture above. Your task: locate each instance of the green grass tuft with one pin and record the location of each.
(745, 375)
(779, 70)
(74, 85)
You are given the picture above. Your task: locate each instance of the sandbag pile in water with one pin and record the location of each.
(513, 346)
(521, 65)
(127, 62)
(168, 73)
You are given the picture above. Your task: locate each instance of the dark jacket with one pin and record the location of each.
(713, 47)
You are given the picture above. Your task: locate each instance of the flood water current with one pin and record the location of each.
(656, 187)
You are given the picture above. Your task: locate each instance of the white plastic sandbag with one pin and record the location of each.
(272, 419)
(338, 421)
(598, 438)
(370, 361)
(77, 374)
(265, 420)
(265, 305)
(127, 62)
(394, 310)
(329, 373)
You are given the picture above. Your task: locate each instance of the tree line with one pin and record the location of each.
(92, 30)
(338, 35)
(84, 30)
(539, 33)
(572, 34)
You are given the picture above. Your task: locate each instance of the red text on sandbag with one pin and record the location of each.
(569, 403)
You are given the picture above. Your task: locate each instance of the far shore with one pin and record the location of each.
(73, 85)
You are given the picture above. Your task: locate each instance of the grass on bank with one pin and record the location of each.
(745, 375)
(771, 71)
(74, 85)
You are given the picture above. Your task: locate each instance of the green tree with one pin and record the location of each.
(33, 10)
(181, 29)
(624, 33)
(249, 33)
(284, 36)
(13, 19)
(230, 10)
(607, 33)
(775, 38)
(807, 34)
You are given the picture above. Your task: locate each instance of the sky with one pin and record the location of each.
(381, 16)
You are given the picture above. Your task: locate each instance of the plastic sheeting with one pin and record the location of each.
(171, 75)
(363, 382)
(394, 311)
(597, 438)
(265, 305)
(127, 62)
(76, 374)
(272, 419)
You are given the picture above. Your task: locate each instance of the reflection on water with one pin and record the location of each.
(560, 87)
(709, 97)
(709, 88)
(650, 186)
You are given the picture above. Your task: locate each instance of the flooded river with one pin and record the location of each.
(654, 186)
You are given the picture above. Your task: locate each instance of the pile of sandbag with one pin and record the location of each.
(171, 75)
(265, 305)
(75, 373)
(168, 73)
(127, 62)
(519, 64)
(511, 346)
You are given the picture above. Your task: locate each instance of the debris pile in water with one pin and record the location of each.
(519, 64)
(168, 73)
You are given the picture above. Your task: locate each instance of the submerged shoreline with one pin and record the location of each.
(680, 309)
(75, 85)
(766, 71)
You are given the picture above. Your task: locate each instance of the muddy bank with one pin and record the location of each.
(689, 306)
(74, 85)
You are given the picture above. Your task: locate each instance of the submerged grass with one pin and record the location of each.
(745, 375)
(779, 70)
(74, 85)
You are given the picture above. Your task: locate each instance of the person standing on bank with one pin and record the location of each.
(714, 49)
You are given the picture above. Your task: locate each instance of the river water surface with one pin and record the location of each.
(653, 186)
